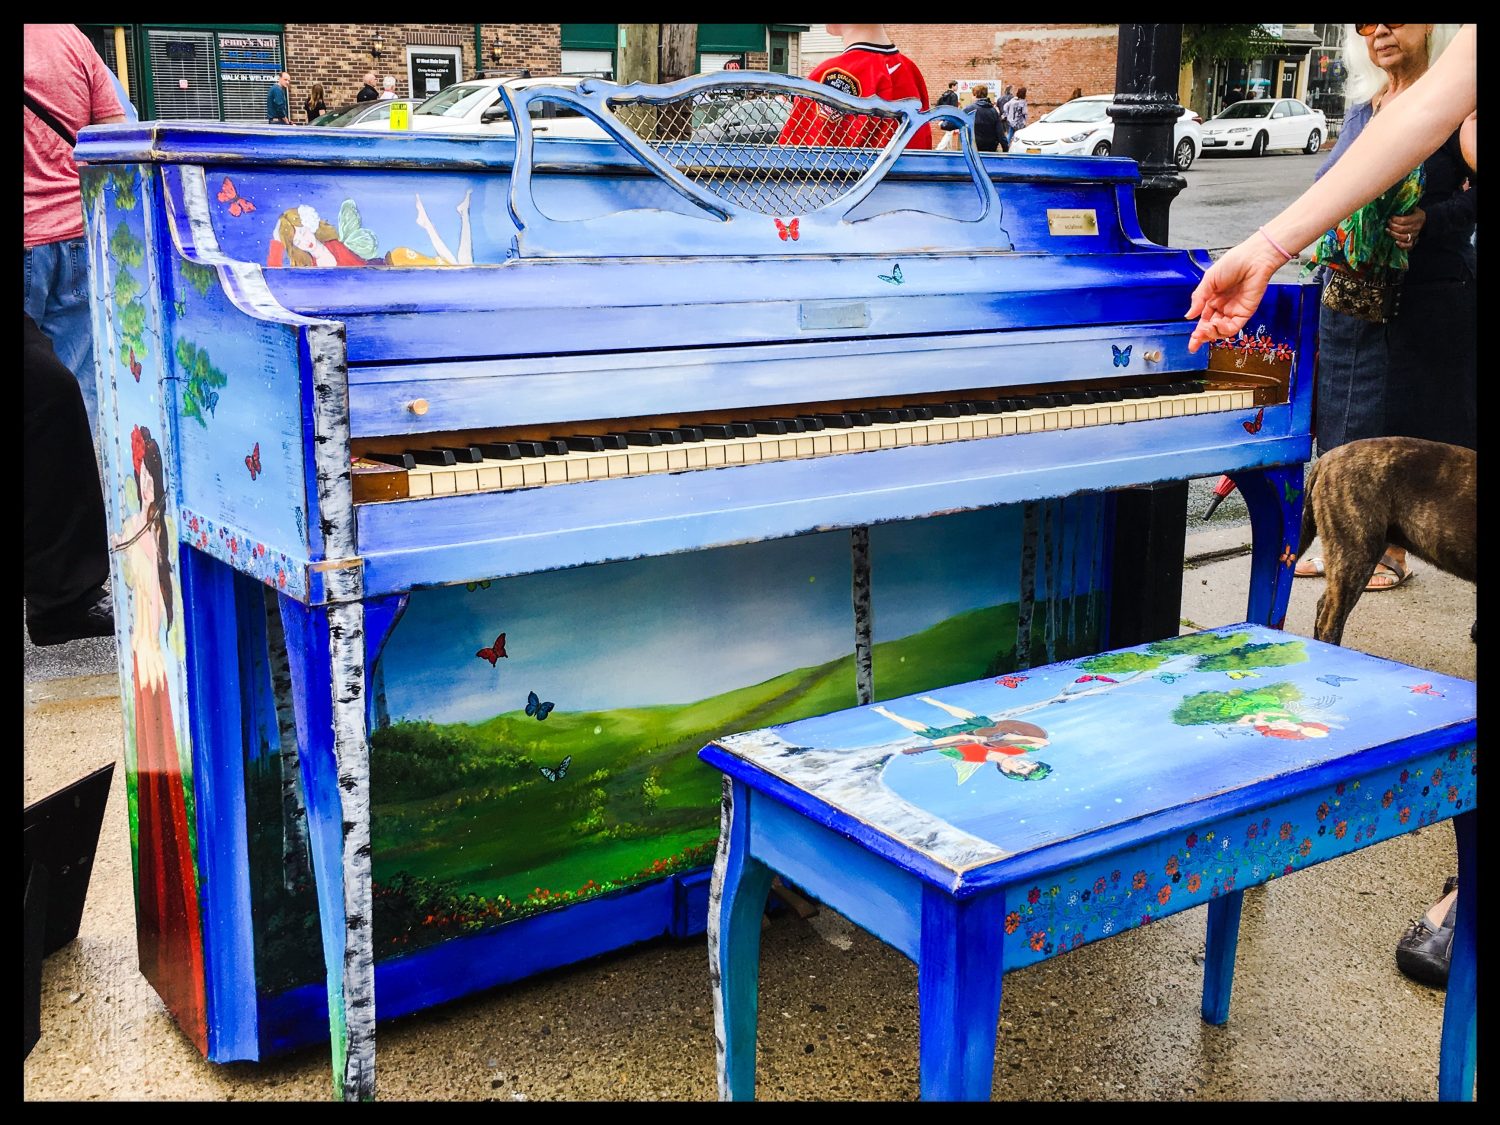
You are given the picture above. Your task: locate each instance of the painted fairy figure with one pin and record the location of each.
(170, 934)
(976, 739)
(304, 238)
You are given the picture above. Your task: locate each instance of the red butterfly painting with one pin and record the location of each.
(252, 462)
(787, 230)
(495, 652)
(1011, 681)
(238, 204)
(1101, 679)
(1425, 689)
(1253, 427)
(135, 366)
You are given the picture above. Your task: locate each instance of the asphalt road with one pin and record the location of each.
(1226, 198)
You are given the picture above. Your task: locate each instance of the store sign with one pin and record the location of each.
(431, 71)
(249, 58)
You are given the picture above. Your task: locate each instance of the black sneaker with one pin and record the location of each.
(91, 617)
(1423, 953)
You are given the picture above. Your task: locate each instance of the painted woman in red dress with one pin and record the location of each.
(168, 925)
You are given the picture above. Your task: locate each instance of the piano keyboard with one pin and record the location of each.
(445, 470)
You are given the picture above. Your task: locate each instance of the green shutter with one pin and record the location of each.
(589, 36)
(731, 38)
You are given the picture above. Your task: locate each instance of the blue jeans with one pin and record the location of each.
(56, 296)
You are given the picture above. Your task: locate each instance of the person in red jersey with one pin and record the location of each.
(870, 67)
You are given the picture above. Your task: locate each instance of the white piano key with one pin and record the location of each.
(676, 459)
(656, 461)
(697, 456)
(533, 472)
(838, 443)
(821, 444)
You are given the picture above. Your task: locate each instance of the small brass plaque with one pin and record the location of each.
(1071, 221)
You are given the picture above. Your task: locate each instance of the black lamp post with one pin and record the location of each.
(1145, 114)
(1151, 522)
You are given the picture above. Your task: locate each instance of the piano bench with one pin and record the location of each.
(991, 825)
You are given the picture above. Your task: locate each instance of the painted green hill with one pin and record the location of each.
(630, 788)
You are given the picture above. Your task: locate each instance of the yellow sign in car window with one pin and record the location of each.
(400, 116)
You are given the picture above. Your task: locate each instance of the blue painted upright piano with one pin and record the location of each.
(462, 488)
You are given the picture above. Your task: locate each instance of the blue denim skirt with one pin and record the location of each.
(1415, 376)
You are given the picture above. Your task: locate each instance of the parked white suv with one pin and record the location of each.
(475, 106)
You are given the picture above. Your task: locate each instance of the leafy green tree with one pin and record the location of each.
(1115, 663)
(125, 247)
(1204, 44)
(1269, 655)
(1230, 706)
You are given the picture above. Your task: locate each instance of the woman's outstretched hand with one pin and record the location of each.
(1231, 290)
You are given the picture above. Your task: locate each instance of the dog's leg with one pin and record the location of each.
(1350, 555)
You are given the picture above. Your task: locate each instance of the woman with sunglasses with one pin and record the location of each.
(1409, 130)
(1396, 351)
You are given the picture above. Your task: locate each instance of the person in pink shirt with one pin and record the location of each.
(67, 82)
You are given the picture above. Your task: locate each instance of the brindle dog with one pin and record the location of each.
(1404, 491)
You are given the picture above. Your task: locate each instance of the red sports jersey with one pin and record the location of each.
(864, 71)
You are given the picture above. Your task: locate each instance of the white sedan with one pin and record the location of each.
(1257, 125)
(475, 106)
(1081, 127)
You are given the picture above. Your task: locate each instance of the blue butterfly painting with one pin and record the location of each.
(894, 277)
(559, 771)
(1169, 677)
(535, 706)
(211, 400)
(1334, 681)
(1122, 355)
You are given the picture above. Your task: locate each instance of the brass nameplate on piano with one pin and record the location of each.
(1082, 220)
(835, 314)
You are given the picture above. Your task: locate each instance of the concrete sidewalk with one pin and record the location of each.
(1319, 1010)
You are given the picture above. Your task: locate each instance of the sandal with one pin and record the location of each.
(1388, 574)
(1310, 567)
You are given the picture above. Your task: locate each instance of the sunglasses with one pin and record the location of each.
(1369, 29)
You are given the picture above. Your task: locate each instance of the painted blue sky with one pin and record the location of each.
(681, 628)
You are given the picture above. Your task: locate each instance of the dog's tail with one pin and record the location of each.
(1309, 522)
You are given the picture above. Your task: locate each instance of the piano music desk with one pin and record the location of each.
(995, 824)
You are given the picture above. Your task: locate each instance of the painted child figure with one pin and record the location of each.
(976, 739)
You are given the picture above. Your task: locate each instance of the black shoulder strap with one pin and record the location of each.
(45, 114)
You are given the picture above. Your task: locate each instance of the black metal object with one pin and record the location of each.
(1150, 523)
(59, 835)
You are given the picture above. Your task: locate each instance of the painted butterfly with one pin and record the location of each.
(1243, 675)
(1168, 677)
(472, 586)
(1253, 427)
(1101, 679)
(1011, 681)
(787, 229)
(1122, 355)
(1334, 681)
(894, 277)
(534, 706)
(180, 307)
(495, 652)
(559, 771)
(1289, 492)
(135, 366)
(238, 204)
(1426, 689)
(252, 462)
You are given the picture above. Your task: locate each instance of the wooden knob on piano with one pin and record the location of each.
(1152, 355)
(417, 406)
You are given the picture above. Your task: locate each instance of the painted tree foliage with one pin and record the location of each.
(1209, 652)
(201, 380)
(1237, 703)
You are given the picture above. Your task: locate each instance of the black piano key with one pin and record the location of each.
(717, 430)
(1138, 392)
(643, 437)
(500, 450)
(742, 429)
(668, 437)
(531, 448)
(944, 410)
(464, 454)
(400, 460)
(554, 447)
(811, 423)
(965, 409)
(771, 426)
(441, 457)
(921, 413)
(884, 416)
(859, 417)
(690, 433)
(1111, 394)
(835, 421)
(1034, 402)
(988, 405)
(583, 443)
(1056, 400)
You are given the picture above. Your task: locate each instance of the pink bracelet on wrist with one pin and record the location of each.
(1278, 247)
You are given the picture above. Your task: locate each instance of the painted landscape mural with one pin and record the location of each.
(534, 740)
